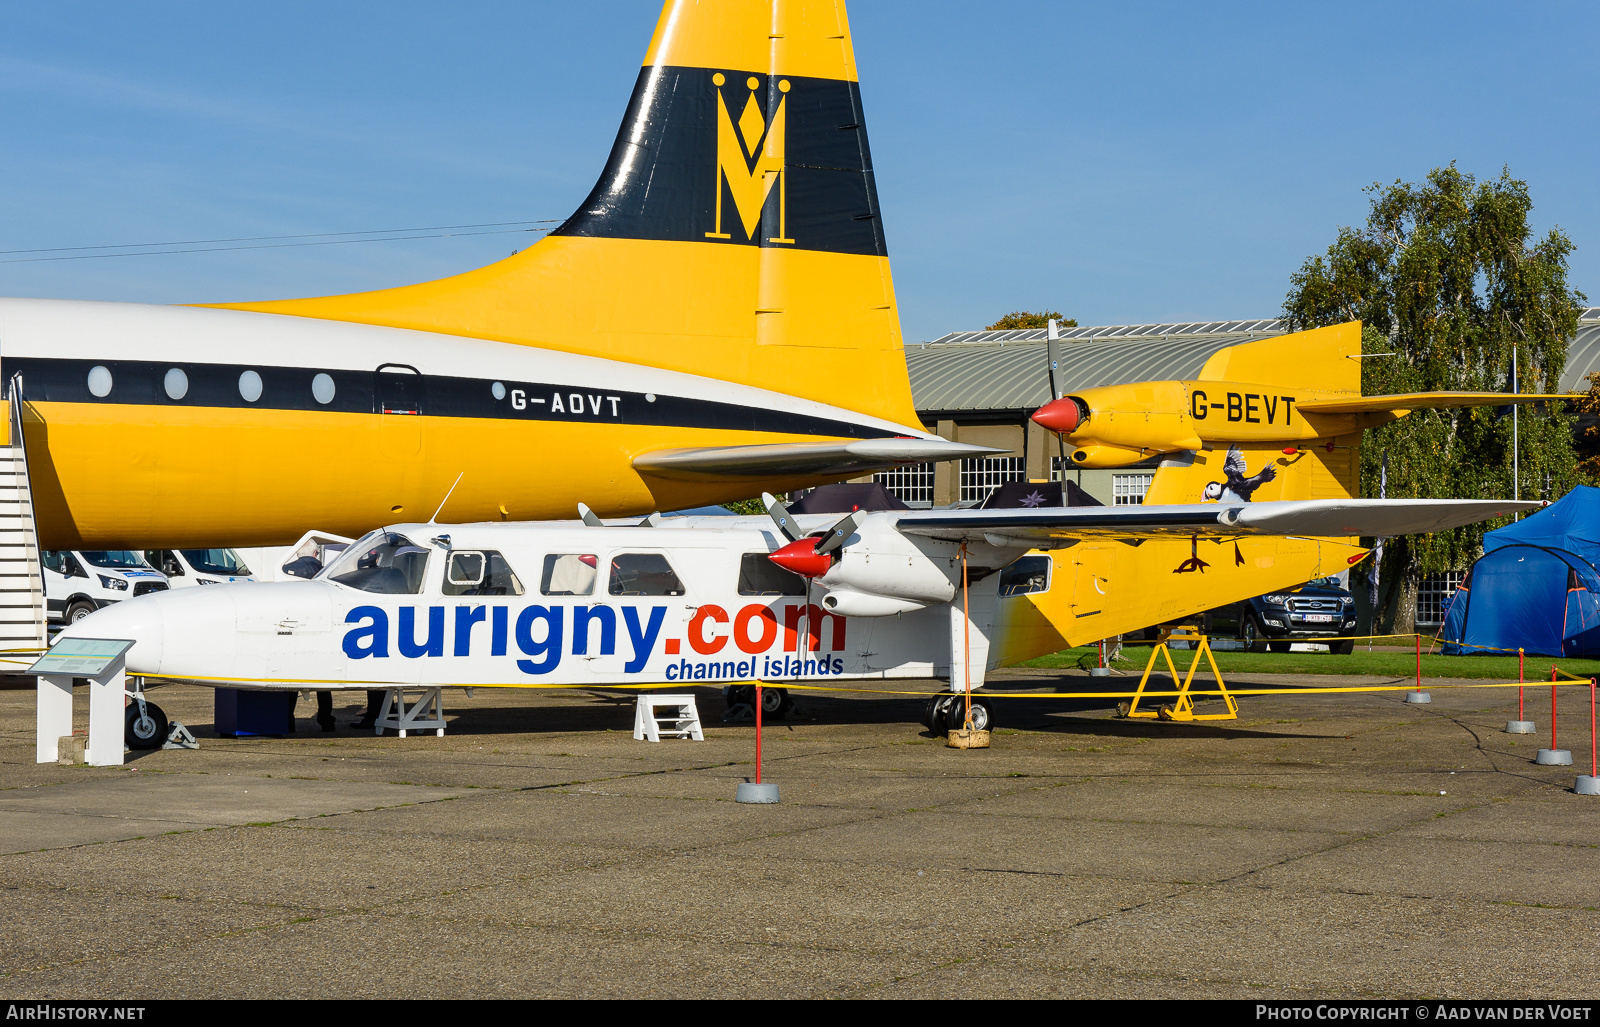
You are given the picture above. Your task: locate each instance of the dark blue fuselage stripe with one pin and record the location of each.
(396, 389)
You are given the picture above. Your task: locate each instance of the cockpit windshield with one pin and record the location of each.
(381, 562)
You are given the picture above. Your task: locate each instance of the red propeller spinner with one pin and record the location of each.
(801, 557)
(1059, 415)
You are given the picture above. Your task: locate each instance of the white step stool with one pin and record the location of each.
(682, 719)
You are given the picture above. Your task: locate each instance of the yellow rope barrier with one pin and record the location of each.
(878, 691)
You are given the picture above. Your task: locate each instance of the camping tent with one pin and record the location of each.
(1536, 587)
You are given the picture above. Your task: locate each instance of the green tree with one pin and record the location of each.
(1028, 319)
(1447, 276)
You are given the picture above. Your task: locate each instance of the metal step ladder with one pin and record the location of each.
(680, 718)
(22, 610)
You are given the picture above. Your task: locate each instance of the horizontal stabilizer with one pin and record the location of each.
(834, 459)
(1322, 518)
(1422, 401)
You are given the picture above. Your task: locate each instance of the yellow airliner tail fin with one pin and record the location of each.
(734, 232)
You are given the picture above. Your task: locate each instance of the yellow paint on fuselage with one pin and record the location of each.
(119, 475)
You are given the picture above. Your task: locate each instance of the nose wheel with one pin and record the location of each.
(144, 726)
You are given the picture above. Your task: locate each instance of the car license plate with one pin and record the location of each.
(1319, 618)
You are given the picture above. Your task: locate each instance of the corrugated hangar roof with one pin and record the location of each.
(1583, 356)
(1006, 370)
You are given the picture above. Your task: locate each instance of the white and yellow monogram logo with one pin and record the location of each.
(750, 160)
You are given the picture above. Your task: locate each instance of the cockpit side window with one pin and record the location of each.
(384, 563)
(1028, 575)
(643, 574)
(480, 573)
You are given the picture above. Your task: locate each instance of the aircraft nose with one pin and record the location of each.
(138, 619)
(1059, 415)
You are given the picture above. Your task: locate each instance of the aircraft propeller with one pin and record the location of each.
(808, 556)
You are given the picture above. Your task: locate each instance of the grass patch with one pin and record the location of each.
(1377, 663)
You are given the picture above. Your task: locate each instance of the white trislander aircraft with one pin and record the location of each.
(813, 598)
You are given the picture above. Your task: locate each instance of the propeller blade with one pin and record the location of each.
(780, 516)
(589, 516)
(837, 534)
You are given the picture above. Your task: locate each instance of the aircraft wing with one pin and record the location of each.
(843, 459)
(1335, 518)
(1422, 401)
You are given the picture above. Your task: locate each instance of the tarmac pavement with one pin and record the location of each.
(1319, 846)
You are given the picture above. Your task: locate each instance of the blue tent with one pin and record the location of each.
(1536, 587)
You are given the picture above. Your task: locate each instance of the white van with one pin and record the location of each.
(185, 567)
(79, 582)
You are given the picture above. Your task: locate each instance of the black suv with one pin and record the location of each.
(1317, 609)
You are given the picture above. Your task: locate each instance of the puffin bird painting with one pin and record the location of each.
(1238, 488)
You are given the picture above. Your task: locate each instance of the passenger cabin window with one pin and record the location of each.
(643, 574)
(759, 576)
(480, 573)
(382, 562)
(569, 574)
(1029, 574)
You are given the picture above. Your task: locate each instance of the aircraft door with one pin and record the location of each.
(399, 389)
(399, 398)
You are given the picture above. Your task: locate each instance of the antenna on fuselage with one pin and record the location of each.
(435, 518)
(590, 518)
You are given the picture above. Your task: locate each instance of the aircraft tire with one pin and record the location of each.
(982, 714)
(775, 702)
(79, 610)
(933, 712)
(147, 732)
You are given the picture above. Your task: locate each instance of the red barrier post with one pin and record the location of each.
(1594, 754)
(758, 732)
(1519, 686)
(1419, 663)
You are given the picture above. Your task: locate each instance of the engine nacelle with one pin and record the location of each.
(860, 604)
(879, 561)
(1109, 456)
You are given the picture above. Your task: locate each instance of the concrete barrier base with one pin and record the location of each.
(1418, 697)
(1519, 727)
(751, 792)
(1587, 785)
(1554, 758)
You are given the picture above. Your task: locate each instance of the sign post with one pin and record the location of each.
(102, 661)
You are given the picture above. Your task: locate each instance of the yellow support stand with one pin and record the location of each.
(1183, 709)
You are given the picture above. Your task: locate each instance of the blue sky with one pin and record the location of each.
(1121, 163)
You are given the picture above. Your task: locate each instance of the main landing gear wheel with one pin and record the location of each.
(148, 731)
(79, 610)
(947, 712)
(775, 702)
